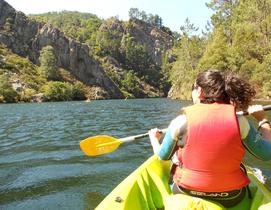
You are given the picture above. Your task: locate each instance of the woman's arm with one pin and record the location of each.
(264, 124)
(256, 141)
(174, 133)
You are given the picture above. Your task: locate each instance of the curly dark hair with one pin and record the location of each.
(227, 88)
(213, 85)
(239, 91)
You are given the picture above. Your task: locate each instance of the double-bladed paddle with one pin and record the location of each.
(99, 145)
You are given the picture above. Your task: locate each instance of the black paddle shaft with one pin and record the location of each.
(132, 138)
(265, 108)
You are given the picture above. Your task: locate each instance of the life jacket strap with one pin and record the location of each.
(247, 187)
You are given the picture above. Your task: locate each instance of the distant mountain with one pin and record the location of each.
(115, 59)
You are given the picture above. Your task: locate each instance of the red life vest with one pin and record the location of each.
(213, 151)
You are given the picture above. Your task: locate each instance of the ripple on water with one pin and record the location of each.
(37, 172)
(54, 200)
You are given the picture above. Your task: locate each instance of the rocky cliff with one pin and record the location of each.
(156, 40)
(145, 57)
(27, 37)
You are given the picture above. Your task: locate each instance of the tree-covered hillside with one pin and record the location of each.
(124, 49)
(239, 41)
(143, 57)
(77, 25)
(128, 52)
(22, 81)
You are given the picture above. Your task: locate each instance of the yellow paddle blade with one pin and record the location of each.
(98, 145)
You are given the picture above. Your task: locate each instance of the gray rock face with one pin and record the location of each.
(156, 40)
(27, 37)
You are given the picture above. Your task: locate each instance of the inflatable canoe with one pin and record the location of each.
(147, 188)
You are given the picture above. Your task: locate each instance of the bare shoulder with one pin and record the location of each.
(180, 119)
(178, 125)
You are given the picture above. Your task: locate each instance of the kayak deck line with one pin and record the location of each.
(147, 188)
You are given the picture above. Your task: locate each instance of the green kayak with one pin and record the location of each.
(147, 188)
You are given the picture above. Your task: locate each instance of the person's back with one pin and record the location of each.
(209, 142)
(213, 150)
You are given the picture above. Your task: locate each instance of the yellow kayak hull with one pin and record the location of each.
(147, 188)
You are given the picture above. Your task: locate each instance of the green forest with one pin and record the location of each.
(237, 39)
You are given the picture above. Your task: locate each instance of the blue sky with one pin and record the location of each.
(173, 12)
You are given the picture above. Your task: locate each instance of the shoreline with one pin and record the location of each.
(90, 100)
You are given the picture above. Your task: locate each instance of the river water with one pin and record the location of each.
(42, 167)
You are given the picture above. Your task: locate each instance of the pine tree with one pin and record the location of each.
(48, 63)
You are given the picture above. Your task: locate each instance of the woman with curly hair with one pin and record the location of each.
(207, 143)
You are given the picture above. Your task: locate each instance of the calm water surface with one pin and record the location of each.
(42, 167)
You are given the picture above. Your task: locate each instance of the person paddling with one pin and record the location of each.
(207, 143)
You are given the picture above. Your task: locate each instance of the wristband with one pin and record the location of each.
(265, 121)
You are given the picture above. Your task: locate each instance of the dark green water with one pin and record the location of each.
(42, 167)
